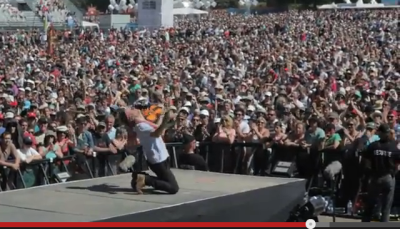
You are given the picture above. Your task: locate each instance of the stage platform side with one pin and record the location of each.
(203, 196)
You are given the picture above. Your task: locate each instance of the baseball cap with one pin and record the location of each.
(313, 119)
(187, 138)
(333, 115)
(50, 133)
(393, 112)
(370, 125)
(27, 104)
(9, 115)
(204, 112)
(27, 140)
(184, 109)
(384, 128)
(62, 129)
(141, 102)
(31, 115)
(42, 120)
(329, 127)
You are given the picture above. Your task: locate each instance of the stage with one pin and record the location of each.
(203, 197)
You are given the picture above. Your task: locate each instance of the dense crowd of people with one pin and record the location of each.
(10, 13)
(54, 11)
(301, 79)
(50, 5)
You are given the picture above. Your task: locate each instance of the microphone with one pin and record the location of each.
(127, 163)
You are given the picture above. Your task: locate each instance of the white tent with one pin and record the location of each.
(188, 11)
(358, 5)
(86, 24)
(328, 6)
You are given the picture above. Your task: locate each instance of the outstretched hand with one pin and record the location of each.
(169, 119)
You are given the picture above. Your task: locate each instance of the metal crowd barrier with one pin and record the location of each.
(220, 157)
(214, 153)
(42, 167)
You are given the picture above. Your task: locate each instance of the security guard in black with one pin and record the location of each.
(380, 157)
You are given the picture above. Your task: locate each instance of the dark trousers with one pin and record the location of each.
(384, 185)
(164, 179)
(261, 162)
(8, 179)
(351, 184)
(193, 159)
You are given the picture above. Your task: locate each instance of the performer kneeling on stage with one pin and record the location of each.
(154, 149)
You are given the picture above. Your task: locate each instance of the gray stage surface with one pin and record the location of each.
(203, 196)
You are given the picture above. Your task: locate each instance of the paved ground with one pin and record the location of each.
(338, 219)
(100, 198)
(329, 219)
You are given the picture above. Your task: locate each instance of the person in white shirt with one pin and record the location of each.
(154, 149)
(28, 154)
(242, 127)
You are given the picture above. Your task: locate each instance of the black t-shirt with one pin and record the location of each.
(382, 155)
(101, 140)
(199, 136)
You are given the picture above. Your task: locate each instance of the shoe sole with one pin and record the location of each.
(140, 183)
(126, 164)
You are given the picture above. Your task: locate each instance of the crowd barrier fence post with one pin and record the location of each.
(44, 173)
(20, 176)
(88, 168)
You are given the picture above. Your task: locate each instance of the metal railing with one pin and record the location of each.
(219, 157)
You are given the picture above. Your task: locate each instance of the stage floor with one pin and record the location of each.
(107, 197)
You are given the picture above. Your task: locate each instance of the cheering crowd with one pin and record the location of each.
(324, 79)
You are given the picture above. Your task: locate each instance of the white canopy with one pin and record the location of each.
(328, 6)
(358, 5)
(187, 11)
(86, 24)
